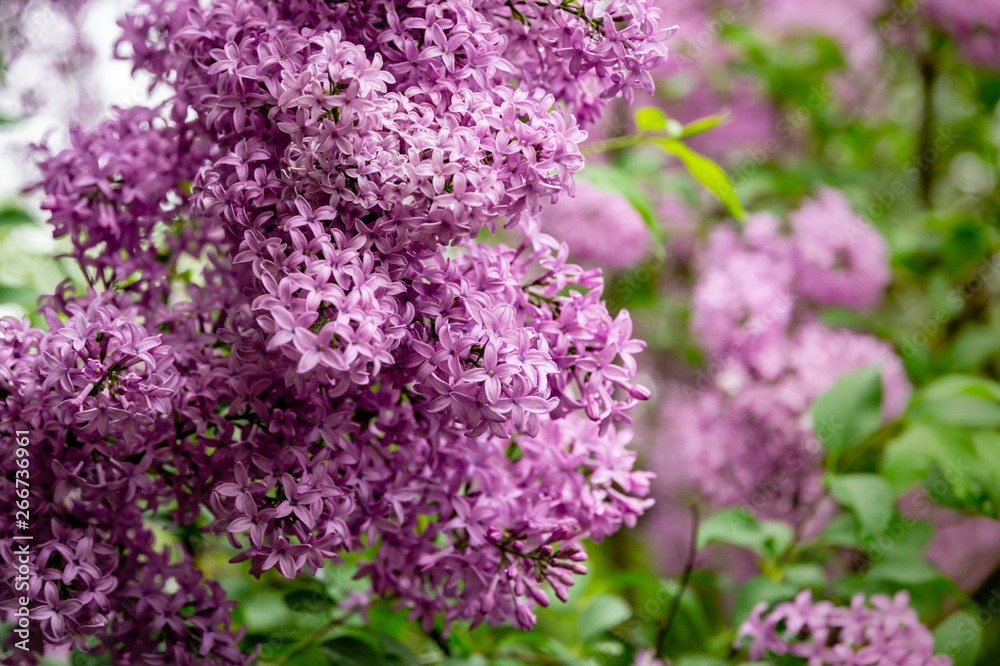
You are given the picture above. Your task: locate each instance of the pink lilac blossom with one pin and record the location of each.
(853, 26)
(743, 298)
(849, 23)
(346, 367)
(746, 438)
(601, 228)
(966, 549)
(881, 631)
(840, 259)
(742, 434)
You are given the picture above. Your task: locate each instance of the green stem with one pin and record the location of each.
(675, 604)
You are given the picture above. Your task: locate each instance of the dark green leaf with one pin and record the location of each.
(308, 601)
(11, 215)
(351, 651)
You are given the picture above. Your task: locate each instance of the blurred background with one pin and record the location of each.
(806, 226)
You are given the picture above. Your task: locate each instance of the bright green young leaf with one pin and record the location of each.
(602, 613)
(704, 124)
(974, 491)
(848, 412)
(650, 119)
(708, 173)
(868, 496)
(959, 637)
(901, 571)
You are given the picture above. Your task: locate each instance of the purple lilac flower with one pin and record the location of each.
(878, 630)
(742, 433)
(346, 366)
(839, 258)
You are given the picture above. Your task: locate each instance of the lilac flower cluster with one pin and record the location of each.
(589, 219)
(290, 326)
(742, 435)
(882, 631)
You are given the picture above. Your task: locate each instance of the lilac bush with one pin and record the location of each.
(290, 326)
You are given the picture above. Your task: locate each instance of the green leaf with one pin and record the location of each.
(908, 459)
(78, 658)
(308, 601)
(23, 296)
(650, 119)
(699, 660)
(310, 656)
(961, 411)
(12, 215)
(959, 468)
(848, 412)
(602, 613)
(868, 496)
(737, 527)
(351, 651)
(973, 347)
(708, 173)
(956, 384)
(396, 652)
(704, 124)
(805, 575)
(903, 571)
(959, 637)
(842, 531)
